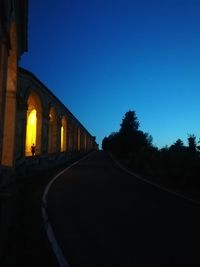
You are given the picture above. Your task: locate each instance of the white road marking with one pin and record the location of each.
(153, 183)
(47, 224)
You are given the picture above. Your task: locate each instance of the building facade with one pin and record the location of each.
(44, 123)
(37, 131)
(33, 122)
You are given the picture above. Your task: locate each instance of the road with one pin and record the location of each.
(104, 217)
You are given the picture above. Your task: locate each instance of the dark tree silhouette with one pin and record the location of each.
(178, 146)
(105, 143)
(129, 123)
(129, 141)
(192, 144)
(177, 165)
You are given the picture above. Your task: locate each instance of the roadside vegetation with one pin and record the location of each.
(176, 166)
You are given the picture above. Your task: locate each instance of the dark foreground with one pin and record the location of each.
(105, 217)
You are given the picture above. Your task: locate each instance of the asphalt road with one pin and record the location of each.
(104, 217)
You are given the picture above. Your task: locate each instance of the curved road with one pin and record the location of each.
(104, 217)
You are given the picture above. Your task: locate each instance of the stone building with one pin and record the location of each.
(43, 121)
(30, 115)
(13, 42)
(36, 130)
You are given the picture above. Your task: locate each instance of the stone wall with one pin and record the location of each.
(52, 114)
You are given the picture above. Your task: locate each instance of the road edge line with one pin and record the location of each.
(46, 222)
(153, 183)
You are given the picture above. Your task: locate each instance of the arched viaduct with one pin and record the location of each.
(30, 115)
(43, 121)
(37, 131)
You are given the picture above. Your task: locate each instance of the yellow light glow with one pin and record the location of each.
(62, 139)
(31, 131)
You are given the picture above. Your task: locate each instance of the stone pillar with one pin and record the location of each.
(59, 124)
(20, 127)
(45, 132)
(75, 138)
(85, 142)
(70, 136)
(3, 78)
(10, 104)
(53, 132)
(39, 133)
(82, 141)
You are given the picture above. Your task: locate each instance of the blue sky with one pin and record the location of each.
(102, 58)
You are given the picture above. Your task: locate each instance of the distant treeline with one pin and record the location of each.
(176, 165)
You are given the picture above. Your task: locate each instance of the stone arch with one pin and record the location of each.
(53, 130)
(33, 124)
(63, 134)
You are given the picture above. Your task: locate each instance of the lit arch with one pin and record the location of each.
(31, 129)
(33, 124)
(63, 133)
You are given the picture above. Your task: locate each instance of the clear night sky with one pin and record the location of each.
(102, 58)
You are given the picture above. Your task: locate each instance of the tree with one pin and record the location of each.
(178, 146)
(129, 123)
(129, 141)
(105, 143)
(192, 144)
(110, 143)
(149, 139)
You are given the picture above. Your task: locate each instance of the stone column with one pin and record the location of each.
(70, 135)
(59, 124)
(45, 132)
(3, 78)
(10, 104)
(75, 138)
(20, 127)
(82, 147)
(81, 139)
(85, 142)
(39, 133)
